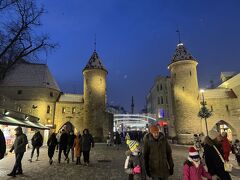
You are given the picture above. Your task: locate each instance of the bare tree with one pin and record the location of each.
(18, 37)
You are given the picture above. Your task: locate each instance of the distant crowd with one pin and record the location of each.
(149, 153)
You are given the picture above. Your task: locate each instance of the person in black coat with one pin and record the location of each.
(63, 146)
(70, 143)
(87, 143)
(213, 160)
(52, 143)
(2, 144)
(37, 142)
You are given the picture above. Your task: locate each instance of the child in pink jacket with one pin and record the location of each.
(193, 169)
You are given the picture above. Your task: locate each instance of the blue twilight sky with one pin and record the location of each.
(136, 40)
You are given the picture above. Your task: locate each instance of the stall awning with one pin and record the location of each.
(24, 123)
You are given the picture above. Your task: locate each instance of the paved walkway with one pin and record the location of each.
(106, 164)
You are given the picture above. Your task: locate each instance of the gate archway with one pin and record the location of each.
(223, 126)
(68, 126)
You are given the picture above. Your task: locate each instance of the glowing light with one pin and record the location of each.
(202, 90)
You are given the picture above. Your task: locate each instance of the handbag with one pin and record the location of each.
(227, 166)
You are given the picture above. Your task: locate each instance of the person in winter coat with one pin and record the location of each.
(63, 146)
(70, 143)
(52, 143)
(77, 148)
(236, 147)
(134, 163)
(226, 145)
(117, 139)
(109, 139)
(157, 155)
(193, 169)
(87, 143)
(19, 147)
(2, 145)
(37, 142)
(213, 160)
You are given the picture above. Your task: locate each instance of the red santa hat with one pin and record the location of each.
(193, 152)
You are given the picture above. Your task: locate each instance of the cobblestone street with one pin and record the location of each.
(110, 168)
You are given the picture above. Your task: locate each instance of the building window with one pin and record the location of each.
(63, 110)
(227, 109)
(161, 87)
(161, 100)
(19, 92)
(48, 109)
(73, 110)
(157, 88)
(211, 108)
(51, 94)
(190, 73)
(158, 100)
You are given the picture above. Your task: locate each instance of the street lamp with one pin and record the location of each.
(204, 111)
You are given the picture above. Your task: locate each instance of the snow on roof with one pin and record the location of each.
(95, 63)
(181, 53)
(30, 74)
(231, 82)
(71, 98)
(227, 75)
(218, 93)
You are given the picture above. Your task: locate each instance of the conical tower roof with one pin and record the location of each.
(181, 53)
(94, 63)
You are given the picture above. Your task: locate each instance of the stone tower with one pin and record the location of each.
(185, 94)
(94, 96)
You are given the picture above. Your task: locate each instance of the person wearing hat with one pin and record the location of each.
(214, 154)
(134, 163)
(19, 147)
(193, 169)
(157, 155)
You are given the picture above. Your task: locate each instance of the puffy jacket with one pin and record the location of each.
(37, 140)
(157, 156)
(87, 141)
(20, 143)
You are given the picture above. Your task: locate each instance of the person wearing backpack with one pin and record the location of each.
(37, 142)
(19, 147)
(2, 145)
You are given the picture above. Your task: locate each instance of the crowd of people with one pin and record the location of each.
(154, 158)
(68, 142)
(149, 156)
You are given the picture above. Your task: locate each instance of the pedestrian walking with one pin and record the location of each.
(117, 139)
(87, 143)
(19, 147)
(58, 139)
(109, 139)
(193, 169)
(157, 155)
(134, 163)
(63, 146)
(37, 142)
(2, 145)
(214, 154)
(236, 150)
(52, 143)
(70, 143)
(226, 145)
(78, 148)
